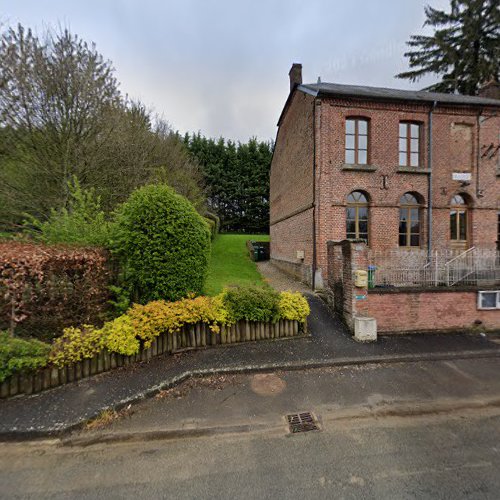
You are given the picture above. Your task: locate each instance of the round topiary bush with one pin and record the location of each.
(163, 243)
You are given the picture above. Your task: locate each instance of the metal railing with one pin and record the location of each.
(403, 268)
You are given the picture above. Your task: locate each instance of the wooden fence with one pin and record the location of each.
(194, 336)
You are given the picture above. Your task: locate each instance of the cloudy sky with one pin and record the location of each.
(221, 66)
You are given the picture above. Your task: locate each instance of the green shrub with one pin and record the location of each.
(213, 223)
(163, 244)
(251, 303)
(19, 356)
(211, 227)
(82, 223)
(141, 324)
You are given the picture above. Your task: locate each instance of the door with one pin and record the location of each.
(459, 224)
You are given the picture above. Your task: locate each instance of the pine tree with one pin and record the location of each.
(464, 49)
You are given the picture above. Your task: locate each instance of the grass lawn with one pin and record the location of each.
(230, 263)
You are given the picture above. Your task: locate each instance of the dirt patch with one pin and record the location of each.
(215, 382)
(107, 417)
(267, 384)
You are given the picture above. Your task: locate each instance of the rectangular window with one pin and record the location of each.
(409, 227)
(409, 144)
(488, 300)
(356, 141)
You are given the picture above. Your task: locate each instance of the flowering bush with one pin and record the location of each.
(141, 324)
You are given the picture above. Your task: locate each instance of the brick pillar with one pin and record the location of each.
(344, 258)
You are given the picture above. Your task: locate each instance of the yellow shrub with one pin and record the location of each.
(76, 344)
(120, 336)
(157, 317)
(293, 306)
(144, 323)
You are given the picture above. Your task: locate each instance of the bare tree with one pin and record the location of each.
(62, 115)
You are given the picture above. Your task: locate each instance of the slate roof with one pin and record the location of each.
(380, 93)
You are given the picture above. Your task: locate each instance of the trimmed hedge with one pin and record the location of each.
(251, 303)
(213, 223)
(142, 324)
(19, 356)
(163, 243)
(44, 289)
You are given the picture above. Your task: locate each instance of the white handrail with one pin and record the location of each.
(461, 255)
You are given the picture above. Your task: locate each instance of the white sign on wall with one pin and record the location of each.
(461, 176)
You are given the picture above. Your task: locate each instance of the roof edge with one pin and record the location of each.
(345, 93)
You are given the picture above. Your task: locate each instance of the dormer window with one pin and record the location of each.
(356, 141)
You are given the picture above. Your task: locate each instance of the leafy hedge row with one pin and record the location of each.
(46, 288)
(143, 323)
(18, 356)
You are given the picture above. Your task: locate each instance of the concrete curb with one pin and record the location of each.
(169, 434)
(413, 409)
(61, 429)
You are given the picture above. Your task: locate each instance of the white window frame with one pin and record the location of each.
(480, 295)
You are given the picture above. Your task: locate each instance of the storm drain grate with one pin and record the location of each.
(302, 422)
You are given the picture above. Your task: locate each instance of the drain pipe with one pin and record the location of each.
(313, 277)
(478, 155)
(429, 192)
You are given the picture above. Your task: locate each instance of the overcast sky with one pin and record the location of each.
(221, 66)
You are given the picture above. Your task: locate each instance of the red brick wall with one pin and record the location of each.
(420, 311)
(291, 189)
(288, 236)
(457, 139)
(400, 310)
(452, 152)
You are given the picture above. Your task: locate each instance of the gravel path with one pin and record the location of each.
(280, 280)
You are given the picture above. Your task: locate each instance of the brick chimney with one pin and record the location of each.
(295, 75)
(491, 90)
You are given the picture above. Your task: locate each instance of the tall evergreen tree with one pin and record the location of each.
(464, 49)
(236, 179)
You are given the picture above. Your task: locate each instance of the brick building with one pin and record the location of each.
(362, 163)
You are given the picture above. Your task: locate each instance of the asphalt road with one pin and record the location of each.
(450, 450)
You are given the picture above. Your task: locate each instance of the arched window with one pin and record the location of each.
(409, 221)
(357, 216)
(356, 141)
(458, 221)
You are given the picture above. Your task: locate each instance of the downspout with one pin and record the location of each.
(429, 193)
(313, 277)
(478, 156)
